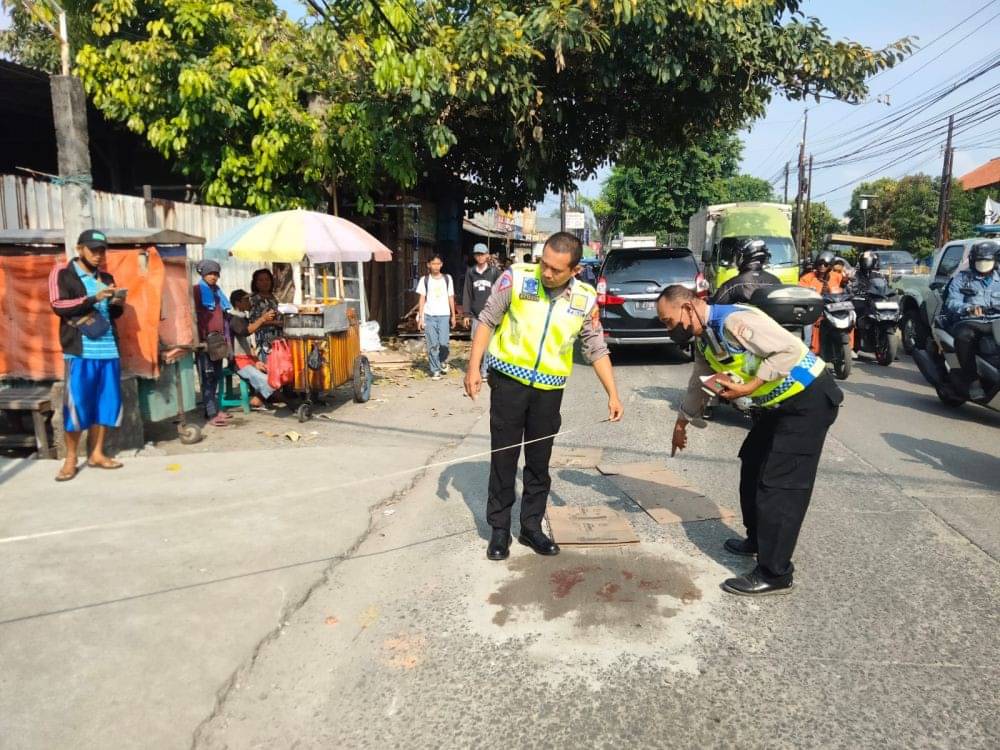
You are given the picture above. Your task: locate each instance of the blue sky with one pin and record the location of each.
(834, 125)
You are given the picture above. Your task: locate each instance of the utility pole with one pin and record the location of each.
(562, 210)
(809, 193)
(786, 183)
(69, 113)
(802, 179)
(944, 194)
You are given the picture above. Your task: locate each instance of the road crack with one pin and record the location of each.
(246, 668)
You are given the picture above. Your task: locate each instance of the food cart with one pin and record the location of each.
(322, 331)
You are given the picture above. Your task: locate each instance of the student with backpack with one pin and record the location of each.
(436, 314)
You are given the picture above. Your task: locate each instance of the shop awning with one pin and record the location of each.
(120, 236)
(468, 225)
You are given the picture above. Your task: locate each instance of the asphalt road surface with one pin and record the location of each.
(318, 598)
(889, 640)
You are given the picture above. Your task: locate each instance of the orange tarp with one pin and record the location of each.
(29, 330)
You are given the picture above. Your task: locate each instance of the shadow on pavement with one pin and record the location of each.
(922, 401)
(471, 480)
(964, 463)
(708, 535)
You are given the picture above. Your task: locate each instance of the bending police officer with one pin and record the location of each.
(797, 401)
(534, 315)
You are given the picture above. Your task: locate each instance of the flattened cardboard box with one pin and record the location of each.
(663, 494)
(576, 458)
(589, 525)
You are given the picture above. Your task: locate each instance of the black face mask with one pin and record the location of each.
(681, 334)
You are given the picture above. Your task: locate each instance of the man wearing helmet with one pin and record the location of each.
(868, 271)
(822, 278)
(750, 258)
(972, 294)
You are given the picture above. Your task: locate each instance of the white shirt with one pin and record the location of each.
(437, 292)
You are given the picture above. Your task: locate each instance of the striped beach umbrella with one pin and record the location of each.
(290, 236)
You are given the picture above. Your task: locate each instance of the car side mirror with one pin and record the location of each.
(706, 256)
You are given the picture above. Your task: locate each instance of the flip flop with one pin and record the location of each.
(62, 476)
(111, 464)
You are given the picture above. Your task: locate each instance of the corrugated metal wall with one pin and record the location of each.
(27, 203)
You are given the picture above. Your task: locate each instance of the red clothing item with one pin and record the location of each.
(209, 320)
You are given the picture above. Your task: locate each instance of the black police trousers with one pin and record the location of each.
(967, 334)
(779, 461)
(519, 412)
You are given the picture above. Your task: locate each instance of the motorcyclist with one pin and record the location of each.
(972, 294)
(821, 278)
(867, 272)
(750, 258)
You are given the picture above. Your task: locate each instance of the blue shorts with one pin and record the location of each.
(93, 394)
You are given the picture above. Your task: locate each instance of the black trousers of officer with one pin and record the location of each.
(779, 461)
(967, 334)
(519, 412)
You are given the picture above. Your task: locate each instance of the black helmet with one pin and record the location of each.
(984, 250)
(751, 253)
(868, 261)
(825, 258)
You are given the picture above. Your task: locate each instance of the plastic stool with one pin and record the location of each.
(227, 391)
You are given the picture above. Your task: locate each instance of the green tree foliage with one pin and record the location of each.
(821, 223)
(657, 190)
(741, 188)
(906, 211)
(519, 97)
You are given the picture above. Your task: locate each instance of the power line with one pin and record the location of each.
(927, 46)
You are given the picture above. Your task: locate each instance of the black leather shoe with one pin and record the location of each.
(740, 547)
(752, 584)
(538, 542)
(499, 547)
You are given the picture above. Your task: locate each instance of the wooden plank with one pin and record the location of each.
(41, 436)
(663, 494)
(17, 441)
(31, 404)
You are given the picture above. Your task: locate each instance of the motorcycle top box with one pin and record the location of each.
(789, 305)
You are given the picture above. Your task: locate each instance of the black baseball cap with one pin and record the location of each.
(93, 238)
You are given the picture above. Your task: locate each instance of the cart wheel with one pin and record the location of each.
(362, 379)
(305, 412)
(189, 433)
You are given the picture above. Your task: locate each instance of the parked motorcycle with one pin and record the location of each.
(877, 321)
(938, 363)
(833, 334)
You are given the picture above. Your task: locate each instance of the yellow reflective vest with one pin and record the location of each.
(534, 342)
(732, 358)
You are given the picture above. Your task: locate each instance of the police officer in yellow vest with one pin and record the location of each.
(796, 402)
(530, 322)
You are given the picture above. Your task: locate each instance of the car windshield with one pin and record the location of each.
(895, 258)
(659, 266)
(782, 250)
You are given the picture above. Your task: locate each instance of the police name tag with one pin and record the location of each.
(529, 289)
(578, 304)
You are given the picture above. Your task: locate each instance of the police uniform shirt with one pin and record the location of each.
(778, 350)
(591, 335)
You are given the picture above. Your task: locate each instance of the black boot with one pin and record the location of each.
(753, 584)
(499, 547)
(538, 542)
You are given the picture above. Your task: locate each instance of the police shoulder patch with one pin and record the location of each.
(506, 281)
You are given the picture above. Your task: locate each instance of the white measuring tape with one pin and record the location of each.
(244, 503)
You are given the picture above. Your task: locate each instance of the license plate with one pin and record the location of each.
(649, 304)
(840, 306)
